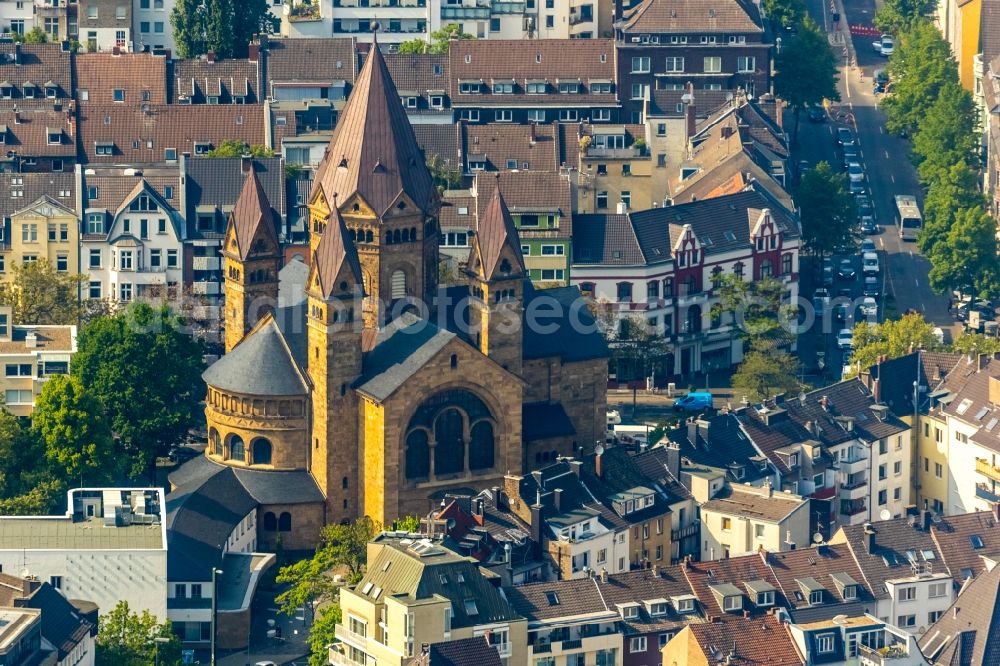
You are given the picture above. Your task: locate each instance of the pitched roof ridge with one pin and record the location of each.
(497, 228)
(252, 209)
(333, 250)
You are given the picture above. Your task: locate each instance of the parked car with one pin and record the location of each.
(868, 225)
(845, 137)
(851, 154)
(817, 114)
(872, 287)
(864, 206)
(841, 312)
(867, 245)
(869, 263)
(845, 339)
(858, 187)
(884, 46)
(855, 172)
(846, 270)
(821, 299)
(869, 307)
(697, 401)
(880, 81)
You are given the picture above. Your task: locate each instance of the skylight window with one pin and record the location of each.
(992, 423)
(470, 607)
(367, 588)
(976, 541)
(443, 579)
(963, 406)
(983, 411)
(928, 555)
(553, 598)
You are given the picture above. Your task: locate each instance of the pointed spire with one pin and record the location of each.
(497, 231)
(252, 215)
(335, 251)
(377, 157)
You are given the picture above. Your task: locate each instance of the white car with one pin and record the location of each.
(884, 46)
(845, 339)
(855, 172)
(869, 263)
(869, 308)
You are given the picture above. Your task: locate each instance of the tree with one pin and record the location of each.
(957, 188)
(761, 375)
(806, 70)
(251, 17)
(976, 343)
(71, 424)
(829, 217)
(897, 15)
(36, 36)
(919, 67)
(946, 134)
(966, 260)
(784, 13)
(440, 40)
(146, 371)
(756, 308)
(237, 148)
(322, 634)
(188, 22)
(892, 338)
(125, 638)
(39, 294)
(445, 175)
(407, 524)
(42, 500)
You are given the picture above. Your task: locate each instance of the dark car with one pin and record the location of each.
(868, 225)
(845, 271)
(817, 114)
(845, 137)
(181, 454)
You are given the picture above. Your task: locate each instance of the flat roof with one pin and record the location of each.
(848, 622)
(62, 533)
(13, 622)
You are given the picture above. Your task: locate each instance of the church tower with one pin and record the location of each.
(496, 285)
(251, 260)
(335, 294)
(374, 173)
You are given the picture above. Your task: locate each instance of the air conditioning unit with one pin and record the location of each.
(635, 40)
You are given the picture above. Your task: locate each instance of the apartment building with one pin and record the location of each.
(67, 636)
(743, 519)
(664, 45)
(110, 546)
(30, 355)
(151, 24)
(16, 16)
(35, 75)
(417, 592)
(105, 25)
(616, 168)
(618, 256)
(46, 229)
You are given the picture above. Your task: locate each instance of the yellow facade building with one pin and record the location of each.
(30, 355)
(47, 230)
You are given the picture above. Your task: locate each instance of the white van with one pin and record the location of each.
(869, 263)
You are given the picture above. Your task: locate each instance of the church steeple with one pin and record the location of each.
(496, 285)
(252, 257)
(374, 172)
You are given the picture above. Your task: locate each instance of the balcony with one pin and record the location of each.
(984, 492)
(206, 263)
(987, 469)
(880, 656)
(853, 490)
(507, 8)
(852, 464)
(340, 659)
(852, 509)
(684, 532)
(480, 13)
(613, 153)
(585, 644)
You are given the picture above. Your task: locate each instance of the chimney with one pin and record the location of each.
(17, 53)
(982, 360)
(746, 613)
(869, 531)
(498, 498)
(597, 461)
(621, 208)
(604, 575)
(253, 52)
(536, 528)
(575, 465)
(558, 494)
(480, 506)
(926, 520)
(778, 119)
(996, 511)
(425, 648)
(690, 112)
(537, 476)
(246, 163)
(210, 56)
(533, 136)
(674, 461)
(655, 570)
(877, 389)
(116, 50)
(31, 340)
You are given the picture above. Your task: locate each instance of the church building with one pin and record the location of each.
(371, 390)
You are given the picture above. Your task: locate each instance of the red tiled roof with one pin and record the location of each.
(28, 132)
(535, 146)
(198, 79)
(39, 64)
(496, 230)
(679, 16)
(137, 74)
(747, 641)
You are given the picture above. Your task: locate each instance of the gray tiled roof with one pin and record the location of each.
(605, 239)
(399, 350)
(461, 652)
(311, 59)
(217, 182)
(680, 16)
(261, 364)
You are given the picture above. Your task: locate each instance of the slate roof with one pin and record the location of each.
(653, 463)
(971, 404)
(253, 213)
(261, 364)
(210, 499)
(460, 652)
(451, 215)
(607, 239)
(198, 79)
(112, 187)
(575, 495)
(756, 640)
(519, 61)
(797, 569)
(19, 190)
(62, 626)
(889, 560)
(680, 16)
(398, 351)
(989, 30)
(218, 181)
(954, 536)
(311, 59)
(496, 143)
(746, 503)
(570, 342)
(542, 420)
(896, 377)
(966, 634)
(620, 473)
(27, 132)
(529, 192)
(373, 152)
(494, 232)
(440, 140)
(160, 127)
(40, 64)
(736, 571)
(421, 74)
(137, 74)
(722, 445)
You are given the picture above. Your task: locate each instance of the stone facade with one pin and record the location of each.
(307, 520)
(283, 422)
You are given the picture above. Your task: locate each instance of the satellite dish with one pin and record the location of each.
(817, 538)
(839, 619)
(884, 514)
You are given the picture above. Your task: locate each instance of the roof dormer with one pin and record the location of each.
(728, 596)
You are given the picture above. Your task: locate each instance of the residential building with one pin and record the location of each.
(475, 651)
(45, 229)
(37, 140)
(65, 632)
(742, 519)
(575, 533)
(717, 449)
(565, 19)
(17, 190)
(109, 546)
(20, 635)
(966, 632)
(498, 147)
(133, 242)
(819, 583)
(862, 639)
(733, 589)
(30, 355)
(539, 81)
(618, 256)
(213, 81)
(423, 82)
(58, 19)
(18, 16)
(663, 45)
(741, 642)
(661, 464)
(967, 542)
(151, 27)
(105, 25)
(416, 592)
(990, 114)
(903, 569)
(36, 76)
(959, 23)
(616, 168)
(121, 79)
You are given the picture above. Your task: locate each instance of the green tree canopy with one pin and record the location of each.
(39, 294)
(892, 338)
(440, 40)
(446, 176)
(146, 371)
(896, 15)
(806, 70)
(222, 26)
(784, 13)
(920, 66)
(125, 638)
(237, 148)
(946, 134)
(71, 424)
(757, 310)
(829, 216)
(187, 19)
(976, 343)
(957, 188)
(36, 36)
(762, 375)
(966, 261)
(22, 457)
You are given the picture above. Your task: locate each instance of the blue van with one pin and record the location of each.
(694, 402)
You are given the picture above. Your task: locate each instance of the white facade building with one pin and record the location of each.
(110, 546)
(17, 16)
(151, 24)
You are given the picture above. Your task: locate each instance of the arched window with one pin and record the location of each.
(481, 446)
(449, 453)
(236, 448)
(261, 449)
(369, 236)
(413, 233)
(270, 522)
(454, 361)
(418, 459)
(285, 522)
(213, 442)
(406, 235)
(399, 284)
(396, 238)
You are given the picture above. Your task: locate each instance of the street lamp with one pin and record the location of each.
(156, 648)
(215, 573)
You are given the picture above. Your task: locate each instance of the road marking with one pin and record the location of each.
(886, 154)
(892, 178)
(917, 281)
(880, 130)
